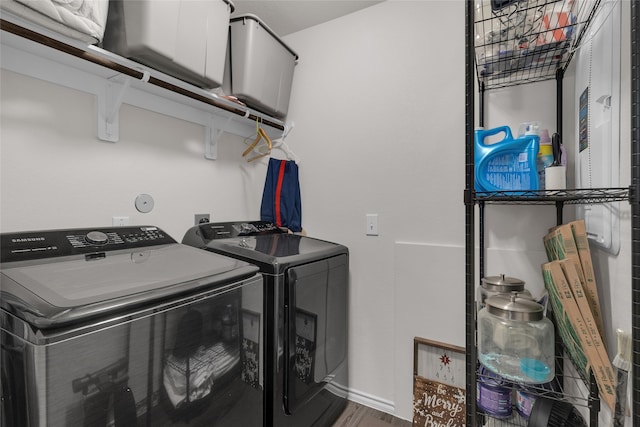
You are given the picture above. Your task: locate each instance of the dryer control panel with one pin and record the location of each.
(225, 230)
(29, 245)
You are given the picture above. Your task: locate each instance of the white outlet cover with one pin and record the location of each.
(120, 221)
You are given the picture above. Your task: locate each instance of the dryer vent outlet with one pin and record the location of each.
(201, 218)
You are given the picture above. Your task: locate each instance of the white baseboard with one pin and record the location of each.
(373, 402)
(365, 399)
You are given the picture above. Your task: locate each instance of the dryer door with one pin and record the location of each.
(316, 324)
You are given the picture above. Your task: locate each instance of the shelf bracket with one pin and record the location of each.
(109, 103)
(212, 134)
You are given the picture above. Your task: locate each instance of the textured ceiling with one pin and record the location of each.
(289, 16)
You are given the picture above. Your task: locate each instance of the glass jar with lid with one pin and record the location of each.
(516, 339)
(500, 284)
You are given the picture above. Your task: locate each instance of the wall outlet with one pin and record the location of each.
(120, 221)
(201, 218)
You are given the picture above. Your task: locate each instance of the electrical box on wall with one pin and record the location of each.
(597, 111)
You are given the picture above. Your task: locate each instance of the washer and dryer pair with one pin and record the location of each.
(127, 327)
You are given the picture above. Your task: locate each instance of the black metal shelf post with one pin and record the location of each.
(635, 206)
(470, 310)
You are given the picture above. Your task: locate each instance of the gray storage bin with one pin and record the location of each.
(185, 39)
(260, 66)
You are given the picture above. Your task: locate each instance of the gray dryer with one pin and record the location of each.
(306, 312)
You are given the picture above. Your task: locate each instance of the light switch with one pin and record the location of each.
(372, 224)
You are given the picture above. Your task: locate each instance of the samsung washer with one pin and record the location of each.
(126, 327)
(306, 300)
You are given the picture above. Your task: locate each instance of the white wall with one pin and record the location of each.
(511, 230)
(57, 174)
(378, 102)
(378, 106)
(613, 273)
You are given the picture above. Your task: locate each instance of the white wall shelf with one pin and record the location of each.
(114, 80)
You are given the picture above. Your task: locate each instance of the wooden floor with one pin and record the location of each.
(357, 415)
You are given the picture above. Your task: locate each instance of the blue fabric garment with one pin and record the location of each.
(281, 203)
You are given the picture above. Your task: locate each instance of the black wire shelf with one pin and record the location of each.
(520, 42)
(550, 197)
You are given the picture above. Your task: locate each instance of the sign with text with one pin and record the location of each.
(438, 384)
(437, 405)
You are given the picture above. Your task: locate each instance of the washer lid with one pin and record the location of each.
(277, 250)
(56, 291)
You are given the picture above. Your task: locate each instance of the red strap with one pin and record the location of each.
(278, 191)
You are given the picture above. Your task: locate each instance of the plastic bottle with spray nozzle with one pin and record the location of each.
(545, 156)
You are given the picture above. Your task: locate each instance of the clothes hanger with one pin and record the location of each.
(269, 144)
(282, 146)
(260, 134)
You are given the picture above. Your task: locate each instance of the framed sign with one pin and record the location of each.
(438, 384)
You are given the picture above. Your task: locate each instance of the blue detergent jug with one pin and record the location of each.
(507, 165)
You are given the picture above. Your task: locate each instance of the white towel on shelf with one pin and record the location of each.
(88, 17)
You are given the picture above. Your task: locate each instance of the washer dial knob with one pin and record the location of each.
(97, 238)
